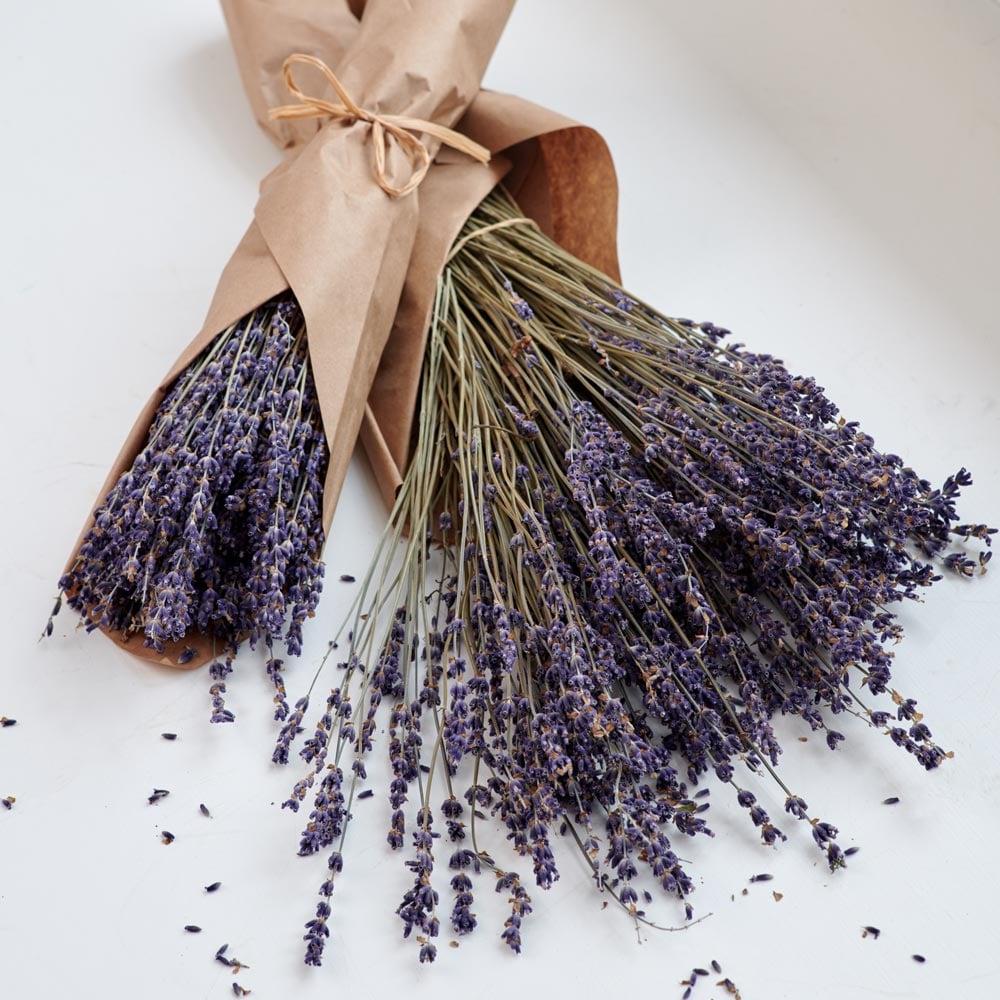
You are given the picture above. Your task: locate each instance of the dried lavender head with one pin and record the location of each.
(645, 545)
(217, 525)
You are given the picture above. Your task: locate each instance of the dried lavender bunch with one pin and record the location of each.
(630, 547)
(217, 526)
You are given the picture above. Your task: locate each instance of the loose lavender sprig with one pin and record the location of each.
(629, 548)
(217, 525)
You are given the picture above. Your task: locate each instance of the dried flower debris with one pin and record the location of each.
(233, 963)
(692, 981)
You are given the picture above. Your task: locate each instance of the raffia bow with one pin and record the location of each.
(384, 127)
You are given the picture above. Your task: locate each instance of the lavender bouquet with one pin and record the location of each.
(217, 525)
(629, 545)
(208, 532)
(348, 235)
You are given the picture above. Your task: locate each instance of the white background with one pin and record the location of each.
(821, 178)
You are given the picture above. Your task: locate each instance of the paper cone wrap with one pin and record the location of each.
(362, 264)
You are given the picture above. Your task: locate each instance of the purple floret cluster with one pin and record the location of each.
(216, 528)
(631, 547)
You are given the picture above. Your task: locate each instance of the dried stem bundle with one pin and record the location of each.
(629, 548)
(217, 525)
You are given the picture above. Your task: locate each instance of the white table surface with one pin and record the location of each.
(821, 178)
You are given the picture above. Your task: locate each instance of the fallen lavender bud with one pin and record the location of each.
(158, 795)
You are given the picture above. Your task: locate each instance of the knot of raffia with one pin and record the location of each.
(385, 128)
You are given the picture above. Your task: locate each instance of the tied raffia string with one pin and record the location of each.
(520, 220)
(384, 127)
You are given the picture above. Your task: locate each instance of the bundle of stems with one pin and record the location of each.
(626, 546)
(216, 527)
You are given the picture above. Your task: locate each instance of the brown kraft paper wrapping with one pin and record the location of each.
(363, 265)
